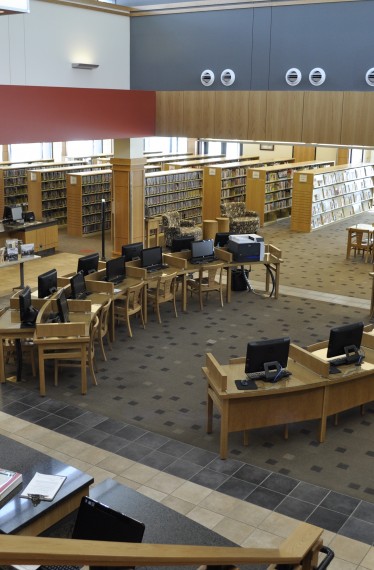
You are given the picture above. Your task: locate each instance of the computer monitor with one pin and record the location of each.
(132, 250)
(181, 243)
(202, 248)
(47, 283)
(28, 313)
(17, 213)
(221, 239)
(62, 307)
(88, 263)
(345, 341)
(268, 356)
(115, 270)
(78, 285)
(151, 256)
(7, 214)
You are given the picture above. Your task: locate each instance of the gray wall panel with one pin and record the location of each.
(260, 45)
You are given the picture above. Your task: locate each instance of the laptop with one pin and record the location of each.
(96, 521)
(202, 251)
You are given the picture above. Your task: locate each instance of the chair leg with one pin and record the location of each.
(102, 348)
(129, 326)
(157, 308)
(92, 371)
(56, 373)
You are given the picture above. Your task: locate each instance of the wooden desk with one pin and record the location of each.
(309, 393)
(20, 261)
(11, 329)
(20, 516)
(360, 238)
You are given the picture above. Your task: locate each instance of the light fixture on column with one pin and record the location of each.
(84, 65)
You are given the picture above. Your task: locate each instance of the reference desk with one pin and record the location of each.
(19, 515)
(310, 393)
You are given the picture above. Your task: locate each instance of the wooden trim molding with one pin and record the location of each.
(92, 5)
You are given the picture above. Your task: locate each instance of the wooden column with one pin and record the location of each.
(128, 202)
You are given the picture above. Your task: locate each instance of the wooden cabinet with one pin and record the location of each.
(85, 194)
(175, 190)
(47, 190)
(326, 195)
(269, 189)
(43, 236)
(227, 183)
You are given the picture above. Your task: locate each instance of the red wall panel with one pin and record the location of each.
(49, 114)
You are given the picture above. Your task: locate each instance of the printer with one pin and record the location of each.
(246, 247)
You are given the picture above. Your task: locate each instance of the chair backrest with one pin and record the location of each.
(134, 301)
(104, 318)
(166, 287)
(233, 209)
(171, 219)
(94, 330)
(209, 281)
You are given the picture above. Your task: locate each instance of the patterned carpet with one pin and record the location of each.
(154, 381)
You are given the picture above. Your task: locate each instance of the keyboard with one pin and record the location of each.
(117, 280)
(338, 361)
(201, 260)
(153, 268)
(261, 376)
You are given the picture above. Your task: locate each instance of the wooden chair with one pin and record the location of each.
(103, 332)
(164, 292)
(207, 281)
(360, 241)
(130, 303)
(69, 358)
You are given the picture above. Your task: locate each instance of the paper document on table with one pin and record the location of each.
(43, 486)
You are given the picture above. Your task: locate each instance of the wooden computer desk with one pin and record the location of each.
(310, 393)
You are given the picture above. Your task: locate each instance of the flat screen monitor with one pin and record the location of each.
(151, 256)
(267, 356)
(7, 214)
(115, 270)
(47, 283)
(345, 341)
(17, 213)
(221, 239)
(62, 307)
(202, 248)
(88, 263)
(181, 243)
(78, 286)
(28, 313)
(132, 250)
(96, 521)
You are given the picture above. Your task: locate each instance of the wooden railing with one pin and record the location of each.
(299, 551)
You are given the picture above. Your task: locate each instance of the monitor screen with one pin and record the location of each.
(345, 337)
(221, 239)
(115, 269)
(181, 243)
(202, 248)
(88, 263)
(78, 285)
(62, 307)
(151, 256)
(7, 214)
(16, 213)
(132, 250)
(47, 283)
(24, 303)
(261, 352)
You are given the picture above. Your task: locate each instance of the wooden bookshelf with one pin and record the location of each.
(85, 192)
(47, 189)
(227, 183)
(175, 190)
(200, 162)
(269, 189)
(327, 195)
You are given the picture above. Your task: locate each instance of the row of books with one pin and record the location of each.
(277, 205)
(335, 215)
(173, 177)
(96, 178)
(96, 199)
(194, 213)
(95, 208)
(55, 205)
(95, 227)
(187, 184)
(343, 175)
(279, 175)
(344, 188)
(52, 184)
(281, 185)
(338, 190)
(232, 192)
(233, 172)
(15, 192)
(53, 194)
(90, 219)
(234, 182)
(96, 188)
(175, 197)
(271, 197)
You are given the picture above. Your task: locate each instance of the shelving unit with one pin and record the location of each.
(227, 183)
(201, 162)
(47, 189)
(269, 190)
(85, 192)
(175, 190)
(327, 195)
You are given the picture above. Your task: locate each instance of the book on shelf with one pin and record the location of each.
(9, 480)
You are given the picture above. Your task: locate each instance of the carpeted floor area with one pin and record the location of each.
(154, 381)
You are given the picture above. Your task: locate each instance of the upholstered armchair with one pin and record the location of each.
(242, 221)
(174, 227)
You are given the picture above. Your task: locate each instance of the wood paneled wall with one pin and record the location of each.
(320, 117)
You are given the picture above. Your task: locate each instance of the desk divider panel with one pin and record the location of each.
(216, 372)
(309, 360)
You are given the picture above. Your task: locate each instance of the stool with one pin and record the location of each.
(210, 228)
(223, 224)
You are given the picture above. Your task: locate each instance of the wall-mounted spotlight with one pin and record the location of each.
(227, 77)
(293, 76)
(207, 77)
(317, 76)
(84, 65)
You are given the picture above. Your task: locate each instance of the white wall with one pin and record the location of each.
(38, 48)
(280, 151)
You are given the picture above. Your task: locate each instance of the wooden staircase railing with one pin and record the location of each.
(298, 551)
